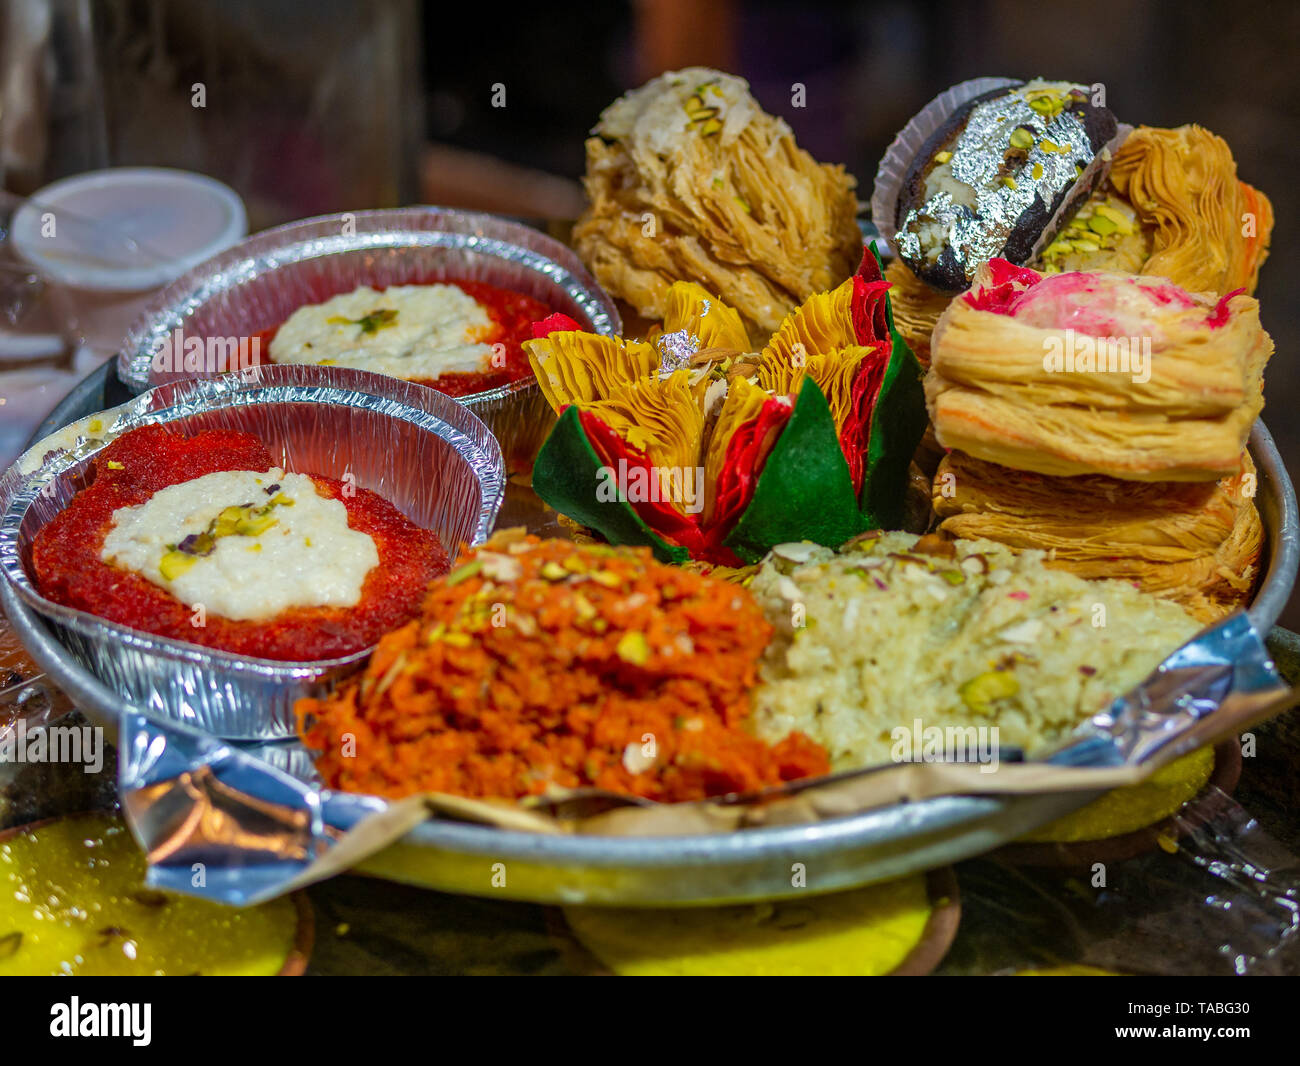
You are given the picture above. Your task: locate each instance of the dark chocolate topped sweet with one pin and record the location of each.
(992, 179)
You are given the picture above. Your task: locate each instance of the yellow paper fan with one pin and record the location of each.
(660, 417)
(582, 368)
(823, 323)
(743, 402)
(833, 372)
(691, 308)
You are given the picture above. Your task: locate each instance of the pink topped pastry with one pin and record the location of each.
(1097, 373)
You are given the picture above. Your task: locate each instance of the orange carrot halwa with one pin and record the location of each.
(539, 665)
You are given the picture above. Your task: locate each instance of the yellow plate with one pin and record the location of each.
(1128, 809)
(73, 901)
(865, 932)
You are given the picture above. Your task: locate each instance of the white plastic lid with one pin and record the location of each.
(126, 229)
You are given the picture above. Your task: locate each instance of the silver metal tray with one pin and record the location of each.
(707, 869)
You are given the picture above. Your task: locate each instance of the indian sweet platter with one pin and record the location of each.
(984, 473)
(772, 423)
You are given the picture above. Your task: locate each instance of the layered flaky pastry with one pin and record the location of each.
(1097, 373)
(1172, 207)
(1198, 543)
(689, 179)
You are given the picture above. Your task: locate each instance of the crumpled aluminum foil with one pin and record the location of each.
(223, 823)
(1218, 896)
(415, 447)
(1212, 686)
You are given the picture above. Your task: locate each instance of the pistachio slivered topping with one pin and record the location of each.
(1022, 137)
(980, 693)
(703, 115)
(244, 520)
(1097, 225)
(380, 318)
(1050, 102)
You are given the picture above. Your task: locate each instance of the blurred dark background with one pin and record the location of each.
(341, 104)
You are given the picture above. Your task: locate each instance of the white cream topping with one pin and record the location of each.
(299, 551)
(406, 331)
(654, 116)
(97, 427)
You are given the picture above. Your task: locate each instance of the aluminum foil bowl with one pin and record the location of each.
(260, 282)
(421, 450)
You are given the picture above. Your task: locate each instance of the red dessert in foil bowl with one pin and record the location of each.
(438, 297)
(216, 549)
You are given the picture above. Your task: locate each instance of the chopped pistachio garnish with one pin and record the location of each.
(702, 115)
(553, 571)
(1097, 225)
(633, 648)
(980, 693)
(461, 573)
(1022, 138)
(244, 520)
(175, 563)
(380, 318)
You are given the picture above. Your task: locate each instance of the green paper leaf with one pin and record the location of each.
(805, 491)
(898, 422)
(566, 476)
(889, 307)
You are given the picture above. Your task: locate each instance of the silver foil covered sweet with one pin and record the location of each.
(257, 284)
(429, 456)
(979, 231)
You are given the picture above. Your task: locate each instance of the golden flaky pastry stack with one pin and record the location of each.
(1103, 417)
(689, 180)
